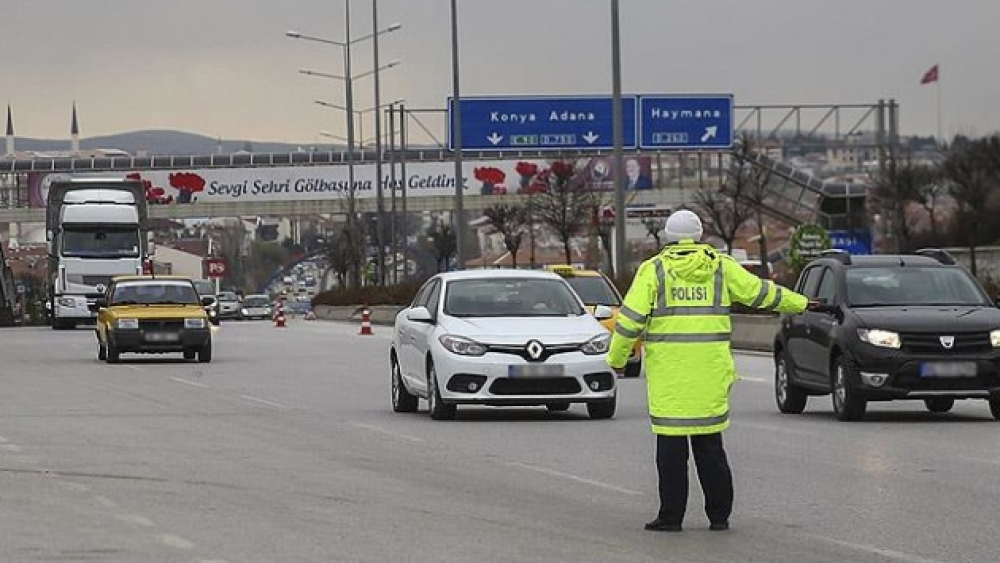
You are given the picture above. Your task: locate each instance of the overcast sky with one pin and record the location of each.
(225, 68)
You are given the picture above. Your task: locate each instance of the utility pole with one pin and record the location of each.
(459, 213)
(380, 222)
(619, 166)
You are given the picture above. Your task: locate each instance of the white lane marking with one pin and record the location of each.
(771, 428)
(386, 432)
(133, 368)
(136, 520)
(8, 447)
(106, 502)
(883, 552)
(79, 487)
(263, 402)
(578, 479)
(188, 382)
(176, 541)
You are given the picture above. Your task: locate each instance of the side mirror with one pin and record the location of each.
(603, 313)
(207, 301)
(419, 315)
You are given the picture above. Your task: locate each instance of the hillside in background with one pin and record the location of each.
(163, 142)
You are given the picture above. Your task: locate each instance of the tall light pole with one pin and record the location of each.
(378, 154)
(616, 93)
(348, 79)
(456, 135)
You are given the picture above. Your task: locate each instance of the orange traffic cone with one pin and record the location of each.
(366, 322)
(279, 316)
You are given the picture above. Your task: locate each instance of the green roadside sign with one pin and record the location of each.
(807, 243)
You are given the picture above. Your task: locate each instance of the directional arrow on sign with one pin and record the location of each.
(710, 133)
(495, 139)
(591, 138)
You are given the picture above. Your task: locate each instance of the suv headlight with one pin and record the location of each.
(461, 346)
(194, 323)
(880, 338)
(67, 302)
(995, 338)
(597, 345)
(127, 324)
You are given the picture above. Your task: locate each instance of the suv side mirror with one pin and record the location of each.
(419, 315)
(603, 313)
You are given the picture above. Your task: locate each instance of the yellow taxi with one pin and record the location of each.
(594, 288)
(152, 315)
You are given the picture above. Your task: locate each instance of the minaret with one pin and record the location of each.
(74, 133)
(10, 132)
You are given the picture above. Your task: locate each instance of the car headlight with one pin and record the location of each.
(995, 338)
(880, 338)
(127, 324)
(244, 311)
(596, 345)
(194, 323)
(211, 312)
(67, 302)
(461, 346)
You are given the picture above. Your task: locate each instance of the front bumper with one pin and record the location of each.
(144, 341)
(488, 379)
(903, 378)
(74, 307)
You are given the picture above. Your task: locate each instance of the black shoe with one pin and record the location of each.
(661, 525)
(719, 526)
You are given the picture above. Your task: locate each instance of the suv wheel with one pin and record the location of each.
(995, 407)
(939, 404)
(847, 405)
(439, 410)
(604, 409)
(402, 400)
(790, 398)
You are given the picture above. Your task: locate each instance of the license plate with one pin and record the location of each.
(540, 370)
(162, 337)
(948, 369)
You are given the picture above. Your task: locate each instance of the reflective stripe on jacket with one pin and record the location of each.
(680, 299)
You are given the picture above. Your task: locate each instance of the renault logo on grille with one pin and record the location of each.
(535, 349)
(947, 342)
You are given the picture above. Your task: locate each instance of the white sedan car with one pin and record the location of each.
(501, 338)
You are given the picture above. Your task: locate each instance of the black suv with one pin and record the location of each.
(887, 327)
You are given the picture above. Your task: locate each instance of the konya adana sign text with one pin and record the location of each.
(178, 187)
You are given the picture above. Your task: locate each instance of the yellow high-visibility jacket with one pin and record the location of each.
(680, 299)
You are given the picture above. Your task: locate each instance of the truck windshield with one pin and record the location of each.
(100, 242)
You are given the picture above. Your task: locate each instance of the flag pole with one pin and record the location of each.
(937, 85)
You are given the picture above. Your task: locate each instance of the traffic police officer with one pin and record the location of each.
(680, 299)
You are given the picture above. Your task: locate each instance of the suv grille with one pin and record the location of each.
(930, 343)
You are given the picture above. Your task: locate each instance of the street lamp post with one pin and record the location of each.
(616, 79)
(459, 212)
(378, 153)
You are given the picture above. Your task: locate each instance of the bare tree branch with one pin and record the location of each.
(511, 221)
(564, 203)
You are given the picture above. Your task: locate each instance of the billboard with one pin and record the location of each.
(287, 183)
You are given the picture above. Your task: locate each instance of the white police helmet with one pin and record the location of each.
(683, 225)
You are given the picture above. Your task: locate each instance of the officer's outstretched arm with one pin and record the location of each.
(633, 316)
(756, 293)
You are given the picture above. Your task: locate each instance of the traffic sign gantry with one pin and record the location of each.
(541, 123)
(686, 121)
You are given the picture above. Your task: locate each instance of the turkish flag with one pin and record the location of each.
(930, 76)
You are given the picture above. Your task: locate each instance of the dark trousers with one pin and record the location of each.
(713, 473)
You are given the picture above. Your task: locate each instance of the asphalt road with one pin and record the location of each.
(285, 450)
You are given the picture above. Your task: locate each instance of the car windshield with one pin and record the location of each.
(205, 287)
(510, 297)
(154, 293)
(893, 287)
(594, 290)
(100, 242)
(255, 301)
(228, 296)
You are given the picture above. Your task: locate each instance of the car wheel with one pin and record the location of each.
(790, 398)
(205, 354)
(939, 404)
(995, 407)
(557, 407)
(112, 355)
(402, 400)
(847, 405)
(102, 352)
(633, 369)
(603, 409)
(439, 410)
(190, 354)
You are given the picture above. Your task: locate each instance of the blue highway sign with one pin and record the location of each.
(541, 123)
(686, 121)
